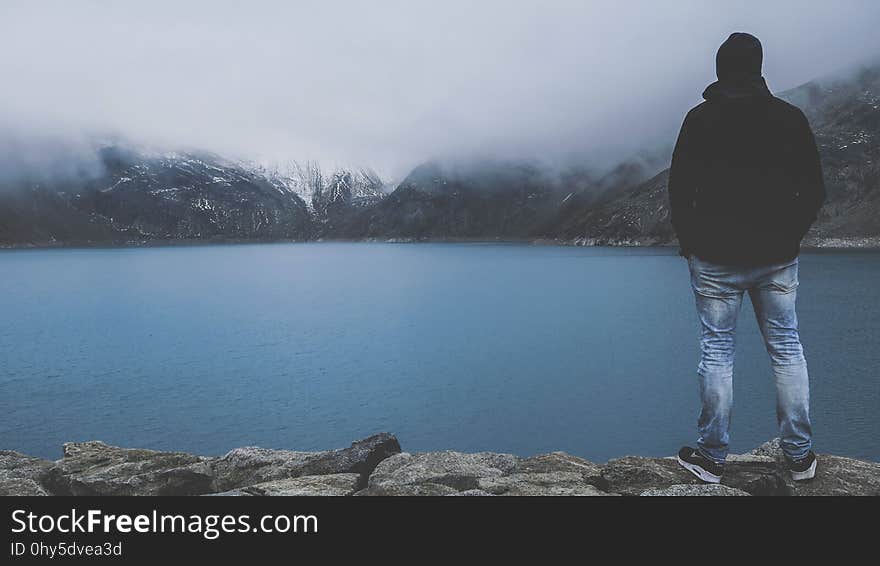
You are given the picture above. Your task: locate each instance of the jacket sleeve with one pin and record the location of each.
(810, 188)
(682, 186)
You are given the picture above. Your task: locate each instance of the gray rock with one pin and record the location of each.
(540, 483)
(22, 486)
(694, 490)
(471, 493)
(22, 475)
(418, 489)
(375, 466)
(95, 468)
(836, 475)
(559, 462)
(757, 476)
(230, 493)
(750, 459)
(250, 465)
(488, 472)
(770, 449)
(634, 475)
(457, 470)
(326, 485)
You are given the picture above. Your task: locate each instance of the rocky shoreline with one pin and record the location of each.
(376, 466)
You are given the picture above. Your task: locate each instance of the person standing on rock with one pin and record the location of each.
(744, 187)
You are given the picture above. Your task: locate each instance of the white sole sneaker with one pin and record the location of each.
(704, 475)
(807, 474)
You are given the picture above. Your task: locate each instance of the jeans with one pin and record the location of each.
(719, 290)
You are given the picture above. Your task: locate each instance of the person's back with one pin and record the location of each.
(745, 185)
(745, 182)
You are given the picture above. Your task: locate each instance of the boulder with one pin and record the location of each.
(417, 489)
(635, 475)
(770, 449)
(561, 462)
(694, 490)
(250, 465)
(458, 470)
(95, 468)
(326, 485)
(557, 473)
(22, 487)
(539, 483)
(22, 475)
(755, 475)
(470, 493)
(835, 475)
(375, 466)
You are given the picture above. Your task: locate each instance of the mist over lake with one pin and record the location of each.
(469, 347)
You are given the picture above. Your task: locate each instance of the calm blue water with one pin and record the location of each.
(468, 347)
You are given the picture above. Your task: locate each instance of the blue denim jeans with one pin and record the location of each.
(719, 290)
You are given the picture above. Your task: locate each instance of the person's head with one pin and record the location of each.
(739, 57)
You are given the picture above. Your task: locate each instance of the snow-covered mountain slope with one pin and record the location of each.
(138, 195)
(141, 196)
(321, 187)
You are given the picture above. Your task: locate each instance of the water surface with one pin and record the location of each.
(523, 349)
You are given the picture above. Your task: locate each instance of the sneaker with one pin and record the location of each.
(693, 461)
(803, 469)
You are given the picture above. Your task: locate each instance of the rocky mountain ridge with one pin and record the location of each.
(142, 198)
(376, 466)
(845, 116)
(139, 197)
(629, 204)
(133, 196)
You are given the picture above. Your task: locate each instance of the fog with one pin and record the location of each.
(390, 84)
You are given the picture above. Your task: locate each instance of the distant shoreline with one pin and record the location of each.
(810, 244)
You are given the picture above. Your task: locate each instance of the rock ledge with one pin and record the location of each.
(376, 466)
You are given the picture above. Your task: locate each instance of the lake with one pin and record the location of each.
(470, 347)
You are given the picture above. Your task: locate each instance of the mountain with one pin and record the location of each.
(844, 113)
(633, 215)
(325, 192)
(136, 196)
(485, 200)
(628, 205)
(332, 198)
(139, 196)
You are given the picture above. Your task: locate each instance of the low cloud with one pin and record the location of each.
(392, 83)
(44, 155)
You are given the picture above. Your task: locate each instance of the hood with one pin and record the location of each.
(749, 88)
(738, 67)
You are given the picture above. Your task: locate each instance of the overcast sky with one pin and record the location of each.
(392, 83)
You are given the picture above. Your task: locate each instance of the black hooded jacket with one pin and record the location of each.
(746, 182)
